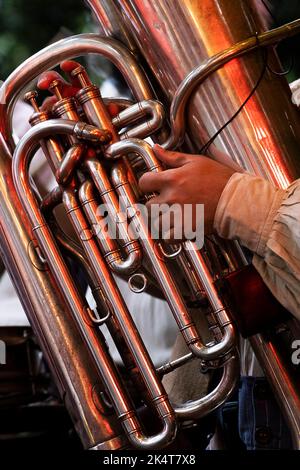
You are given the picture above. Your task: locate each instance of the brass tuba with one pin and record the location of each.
(203, 58)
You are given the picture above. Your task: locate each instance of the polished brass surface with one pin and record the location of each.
(178, 36)
(95, 158)
(71, 364)
(184, 43)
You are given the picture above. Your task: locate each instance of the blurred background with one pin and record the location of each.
(28, 25)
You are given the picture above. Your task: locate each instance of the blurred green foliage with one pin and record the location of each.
(284, 11)
(28, 25)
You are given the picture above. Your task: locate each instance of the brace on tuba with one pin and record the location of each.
(203, 59)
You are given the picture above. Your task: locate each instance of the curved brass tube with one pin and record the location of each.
(199, 408)
(140, 110)
(52, 55)
(109, 247)
(121, 103)
(130, 334)
(177, 306)
(106, 192)
(127, 415)
(201, 73)
(101, 256)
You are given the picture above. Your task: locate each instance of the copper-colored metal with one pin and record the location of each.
(55, 88)
(197, 76)
(30, 97)
(63, 50)
(211, 31)
(82, 76)
(172, 294)
(72, 366)
(105, 367)
(139, 111)
(186, 43)
(175, 38)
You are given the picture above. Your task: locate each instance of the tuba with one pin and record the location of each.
(190, 66)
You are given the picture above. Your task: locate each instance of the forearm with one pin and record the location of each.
(266, 220)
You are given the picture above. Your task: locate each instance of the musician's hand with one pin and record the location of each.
(67, 89)
(191, 179)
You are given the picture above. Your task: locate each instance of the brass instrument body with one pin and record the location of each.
(183, 36)
(73, 368)
(198, 45)
(88, 330)
(258, 139)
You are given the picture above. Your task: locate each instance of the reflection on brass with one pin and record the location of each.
(205, 56)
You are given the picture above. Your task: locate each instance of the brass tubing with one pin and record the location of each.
(23, 155)
(107, 193)
(197, 76)
(72, 367)
(130, 334)
(75, 250)
(187, 327)
(97, 114)
(65, 49)
(69, 163)
(138, 111)
(109, 247)
(199, 408)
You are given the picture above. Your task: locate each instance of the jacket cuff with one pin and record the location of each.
(246, 211)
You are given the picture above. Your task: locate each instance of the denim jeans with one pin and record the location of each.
(252, 419)
(261, 425)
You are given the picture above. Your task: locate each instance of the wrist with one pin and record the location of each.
(246, 210)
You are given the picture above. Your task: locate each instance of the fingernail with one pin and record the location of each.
(157, 147)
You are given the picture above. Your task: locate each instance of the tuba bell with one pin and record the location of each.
(203, 61)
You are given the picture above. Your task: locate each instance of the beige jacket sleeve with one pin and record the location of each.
(266, 220)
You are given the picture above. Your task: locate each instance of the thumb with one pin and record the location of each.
(171, 159)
